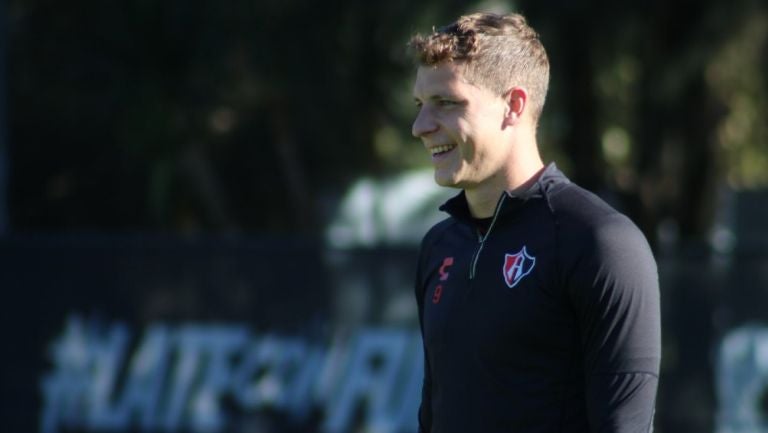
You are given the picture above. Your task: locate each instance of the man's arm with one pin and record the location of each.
(425, 412)
(614, 287)
(425, 409)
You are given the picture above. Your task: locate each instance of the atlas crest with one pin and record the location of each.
(517, 266)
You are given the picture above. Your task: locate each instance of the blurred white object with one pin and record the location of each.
(393, 211)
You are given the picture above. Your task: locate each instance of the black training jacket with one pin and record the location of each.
(548, 323)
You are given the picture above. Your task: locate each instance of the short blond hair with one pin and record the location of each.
(494, 51)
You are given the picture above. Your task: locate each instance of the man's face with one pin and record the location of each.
(461, 125)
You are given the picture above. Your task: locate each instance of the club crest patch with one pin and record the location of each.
(517, 266)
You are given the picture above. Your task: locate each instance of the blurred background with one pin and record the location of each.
(209, 212)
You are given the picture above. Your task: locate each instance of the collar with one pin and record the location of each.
(551, 176)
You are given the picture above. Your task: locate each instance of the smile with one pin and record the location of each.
(437, 150)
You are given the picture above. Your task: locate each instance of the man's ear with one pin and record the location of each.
(516, 100)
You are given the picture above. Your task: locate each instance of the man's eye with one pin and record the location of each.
(418, 104)
(446, 102)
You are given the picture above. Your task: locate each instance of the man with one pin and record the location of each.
(538, 303)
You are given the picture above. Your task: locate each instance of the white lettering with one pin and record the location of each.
(742, 381)
(175, 379)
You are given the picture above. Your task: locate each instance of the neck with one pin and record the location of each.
(517, 175)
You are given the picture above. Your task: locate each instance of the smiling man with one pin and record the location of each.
(538, 302)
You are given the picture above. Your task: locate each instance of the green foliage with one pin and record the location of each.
(658, 103)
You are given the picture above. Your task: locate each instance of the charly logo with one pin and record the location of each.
(447, 263)
(517, 266)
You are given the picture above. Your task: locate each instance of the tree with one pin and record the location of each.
(647, 91)
(182, 116)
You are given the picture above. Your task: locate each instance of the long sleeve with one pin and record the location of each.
(425, 412)
(613, 283)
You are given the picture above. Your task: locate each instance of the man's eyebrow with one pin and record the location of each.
(437, 96)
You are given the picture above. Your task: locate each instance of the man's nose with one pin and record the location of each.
(423, 124)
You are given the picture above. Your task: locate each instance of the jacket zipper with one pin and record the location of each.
(481, 238)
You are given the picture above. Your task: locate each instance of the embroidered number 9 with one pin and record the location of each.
(438, 293)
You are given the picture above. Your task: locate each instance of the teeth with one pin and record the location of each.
(440, 149)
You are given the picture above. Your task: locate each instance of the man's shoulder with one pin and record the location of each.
(597, 242)
(588, 221)
(576, 206)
